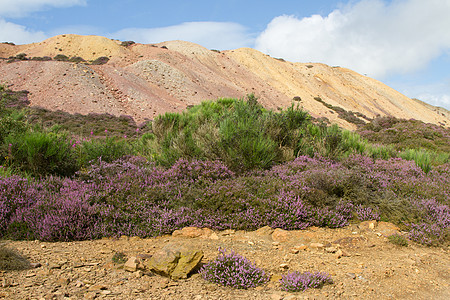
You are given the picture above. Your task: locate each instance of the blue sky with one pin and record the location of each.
(403, 43)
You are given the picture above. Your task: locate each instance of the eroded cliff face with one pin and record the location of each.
(146, 80)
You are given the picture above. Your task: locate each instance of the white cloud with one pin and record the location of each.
(437, 94)
(371, 37)
(10, 32)
(217, 35)
(20, 8)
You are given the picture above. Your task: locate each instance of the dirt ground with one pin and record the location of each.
(366, 266)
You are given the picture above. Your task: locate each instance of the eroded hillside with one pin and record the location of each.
(146, 80)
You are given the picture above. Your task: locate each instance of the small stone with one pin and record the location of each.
(79, 284)
(97, 287)
(132, 264)
(90, 295)
(351, 275)
(284, 266)
(30, 274)
(316, 245)
(275, 244)
(105, 251)
(214, 236)
(331, 249)
(339, 253)
(251, 243)
(105, 292)
(301, 247)
(138, 274)
(35, 265)
(225, 233)
(294, 251)
(62, 281)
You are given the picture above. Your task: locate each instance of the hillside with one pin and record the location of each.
(146, 80)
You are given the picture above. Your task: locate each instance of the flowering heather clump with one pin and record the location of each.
(428, 234)
(366, 213)
(233, 270)
(297, 282)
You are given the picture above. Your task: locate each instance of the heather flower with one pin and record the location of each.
(233, 270)
(366, 213)
(297, 282)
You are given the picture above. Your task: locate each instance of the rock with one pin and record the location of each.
(90, 295)
(190, 232)
(387, 229)
(227, 232)
(301, 247)
(132, 264)
(175, 261)
(264, 231)
(35, 265)
(294, 251)
(280, 235)
(284, 266)
(316, 245)
(367, 225)
(97, 287)
(62, 281)
(193, 232)
(331, 249)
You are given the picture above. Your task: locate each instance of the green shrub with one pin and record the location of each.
(107, 150)
(61, 57)
(41, 153)
(100, 61)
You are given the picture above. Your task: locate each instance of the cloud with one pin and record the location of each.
(369, 36)
(217, 35)
(437, 94)
(20, 8)
(10, 32)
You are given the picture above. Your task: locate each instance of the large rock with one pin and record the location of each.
(193, 232)
(175, 261)
(387, 229)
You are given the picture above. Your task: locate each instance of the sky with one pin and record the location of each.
(403, 43)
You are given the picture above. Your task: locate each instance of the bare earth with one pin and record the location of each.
(369, 267)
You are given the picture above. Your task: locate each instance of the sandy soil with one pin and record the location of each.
(371, 267)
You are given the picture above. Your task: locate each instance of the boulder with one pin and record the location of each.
(175, 261)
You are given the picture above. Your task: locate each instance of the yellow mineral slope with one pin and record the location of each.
(88, 47)
(336, 86)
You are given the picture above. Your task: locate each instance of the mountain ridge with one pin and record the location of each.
(145, 80)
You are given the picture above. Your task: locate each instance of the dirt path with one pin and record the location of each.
(369, 267)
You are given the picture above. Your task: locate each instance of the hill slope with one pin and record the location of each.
(146, 80)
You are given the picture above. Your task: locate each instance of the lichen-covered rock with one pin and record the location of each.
(175, 261)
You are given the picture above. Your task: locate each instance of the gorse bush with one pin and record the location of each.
(41, 153)
(240, 133)
(233, 270)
